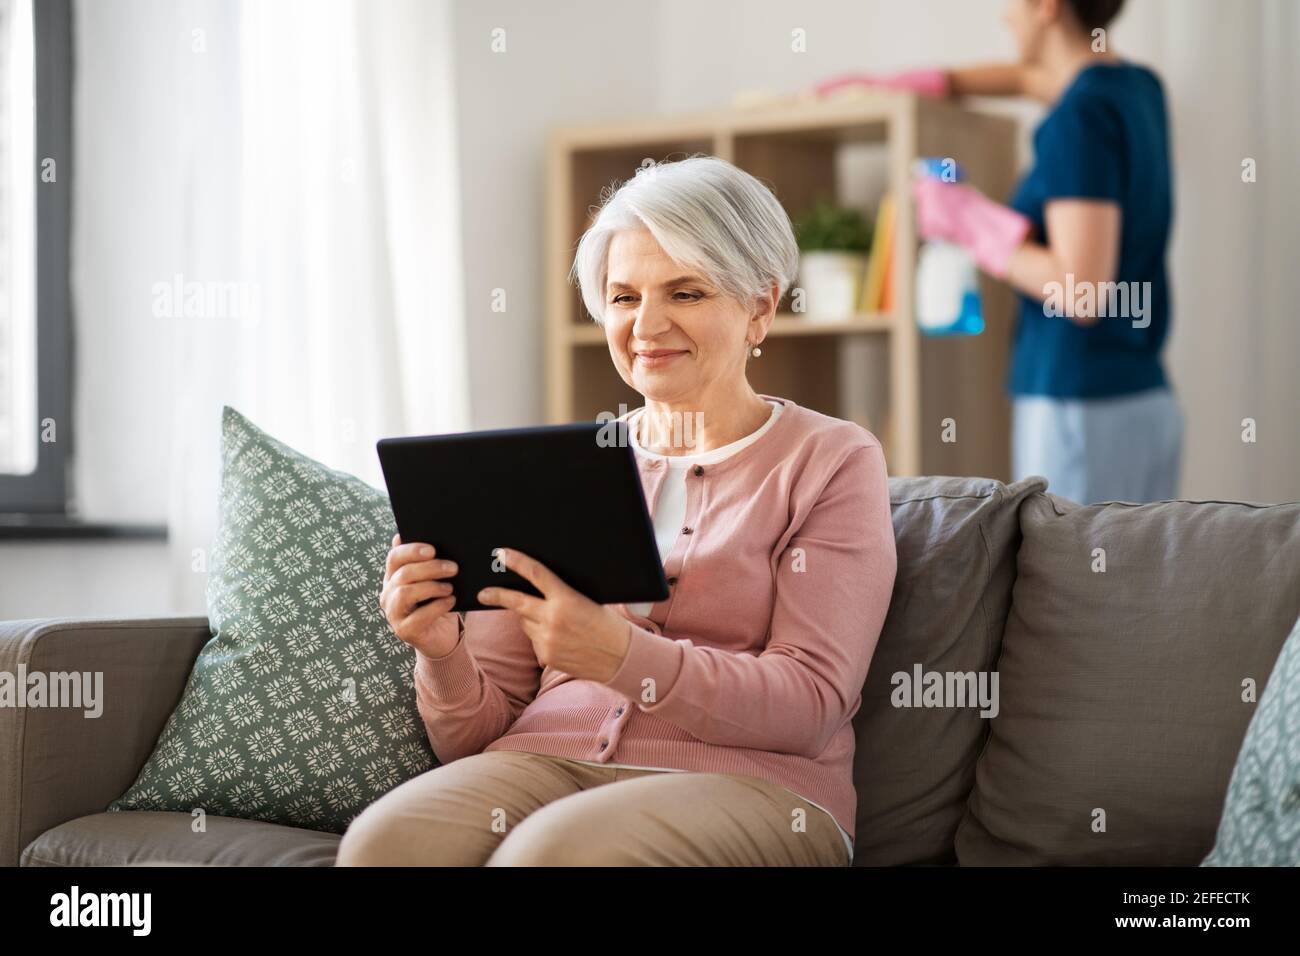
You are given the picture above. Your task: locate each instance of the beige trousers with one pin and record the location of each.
(509, 808)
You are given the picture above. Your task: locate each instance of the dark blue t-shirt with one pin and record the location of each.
(1106, 138)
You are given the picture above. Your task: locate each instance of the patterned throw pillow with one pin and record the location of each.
(301, 708)
(1261, 815)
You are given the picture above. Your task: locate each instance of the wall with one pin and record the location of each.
(85, 579)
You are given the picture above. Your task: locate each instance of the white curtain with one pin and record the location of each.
(344, 323)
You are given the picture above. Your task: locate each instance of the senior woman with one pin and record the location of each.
(710, 728)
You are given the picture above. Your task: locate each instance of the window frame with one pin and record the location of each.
(46, 490)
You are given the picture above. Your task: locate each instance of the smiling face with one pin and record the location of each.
(673, 335)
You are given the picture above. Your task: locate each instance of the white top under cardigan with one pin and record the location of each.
(670, 508)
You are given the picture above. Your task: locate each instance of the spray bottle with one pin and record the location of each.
(947, 282)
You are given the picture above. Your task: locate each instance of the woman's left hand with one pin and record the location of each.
(959, 213)
(569, 631)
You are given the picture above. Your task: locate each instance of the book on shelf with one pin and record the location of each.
(882, 247)
(886, 303)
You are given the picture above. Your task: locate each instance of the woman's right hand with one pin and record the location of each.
(413, 573)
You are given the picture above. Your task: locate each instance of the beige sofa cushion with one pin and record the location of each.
(914, 767)
(1121, 690)
(147, 837)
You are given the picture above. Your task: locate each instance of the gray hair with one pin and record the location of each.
(706, 214)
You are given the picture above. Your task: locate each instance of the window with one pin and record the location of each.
(35, 174)
(17, 242)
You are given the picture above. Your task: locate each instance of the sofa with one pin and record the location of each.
(1055, 684)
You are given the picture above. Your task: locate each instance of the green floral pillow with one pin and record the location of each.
(1261, 815)
(301, 708)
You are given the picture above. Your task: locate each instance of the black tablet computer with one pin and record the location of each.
(568, 495)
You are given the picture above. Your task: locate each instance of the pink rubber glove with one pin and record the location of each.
(958, 213)
(925, 82)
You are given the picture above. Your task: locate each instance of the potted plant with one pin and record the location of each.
(833, 243)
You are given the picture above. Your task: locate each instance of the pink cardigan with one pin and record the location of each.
(753, 665)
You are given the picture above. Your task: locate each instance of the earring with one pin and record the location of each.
(756, 351)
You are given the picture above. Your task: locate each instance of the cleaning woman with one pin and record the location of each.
(1083, 243)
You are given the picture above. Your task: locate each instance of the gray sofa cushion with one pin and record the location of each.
(1122, 689)
(147, 837)
(914, 767)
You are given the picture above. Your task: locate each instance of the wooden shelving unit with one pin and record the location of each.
(878, 370)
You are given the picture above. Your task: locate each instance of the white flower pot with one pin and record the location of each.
(831, 284)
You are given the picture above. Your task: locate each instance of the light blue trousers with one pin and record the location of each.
(1127, 448)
